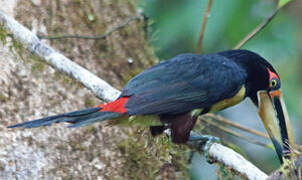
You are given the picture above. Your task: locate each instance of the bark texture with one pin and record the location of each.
(30, 89)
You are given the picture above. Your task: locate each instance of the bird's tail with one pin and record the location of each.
(82, 117)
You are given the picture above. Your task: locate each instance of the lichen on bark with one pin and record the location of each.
(32, 89)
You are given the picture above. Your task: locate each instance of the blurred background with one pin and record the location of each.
(30, 89)
(175, 28)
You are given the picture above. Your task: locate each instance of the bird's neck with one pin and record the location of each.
(255, 67)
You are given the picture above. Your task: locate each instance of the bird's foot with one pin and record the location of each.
(203, 142)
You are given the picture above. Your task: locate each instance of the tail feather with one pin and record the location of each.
(82, 117)
(77, 118)
(97, 117)
(66, 117)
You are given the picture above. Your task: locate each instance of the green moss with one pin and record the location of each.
(3, 35)
(90, 130)
(225, 173)
(37, 67)
(15, 47)
(146, 157)
(288, 168)
(89, 101)
(3, 98)
(66, 79)
(142, 156)
(76, 145)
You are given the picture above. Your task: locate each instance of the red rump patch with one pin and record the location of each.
(117, 106)
(272, 74)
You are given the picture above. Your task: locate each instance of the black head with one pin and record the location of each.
(261, 74)
(263, 87)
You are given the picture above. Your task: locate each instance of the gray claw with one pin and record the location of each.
(206, 148)
(204, 143)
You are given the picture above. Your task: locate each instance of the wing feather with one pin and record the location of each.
(183, 83)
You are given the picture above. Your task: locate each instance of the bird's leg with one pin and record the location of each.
(202, 142)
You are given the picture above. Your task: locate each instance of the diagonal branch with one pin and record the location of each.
(103, 36)
(103, 90)
(203, 27)
(256, 30)
(236, 125)
(225, 156)
(281, 4)
(235, 162)
(233, 133)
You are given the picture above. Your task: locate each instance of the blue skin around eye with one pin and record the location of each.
(277, 86)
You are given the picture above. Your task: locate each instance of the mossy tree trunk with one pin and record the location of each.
(30, 89)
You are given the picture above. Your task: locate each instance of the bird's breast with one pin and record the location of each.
(239, 96)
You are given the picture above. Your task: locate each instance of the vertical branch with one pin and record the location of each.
(203, 27)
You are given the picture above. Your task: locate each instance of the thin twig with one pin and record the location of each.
(236, 125)
(103, 36)
(203, 27)
(256, 30)
(259, 27)
(233, 133)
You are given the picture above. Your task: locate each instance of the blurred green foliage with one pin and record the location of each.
(283, 3)
(174, 27)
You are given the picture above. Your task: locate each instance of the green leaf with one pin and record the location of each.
(282, 3)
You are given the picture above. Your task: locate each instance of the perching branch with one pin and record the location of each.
(103, 36)
(203, 27)
(225, 156)
(103, 90)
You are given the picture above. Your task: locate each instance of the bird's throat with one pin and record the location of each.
(239, 96)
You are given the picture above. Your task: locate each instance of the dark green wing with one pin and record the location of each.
(183, 83)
